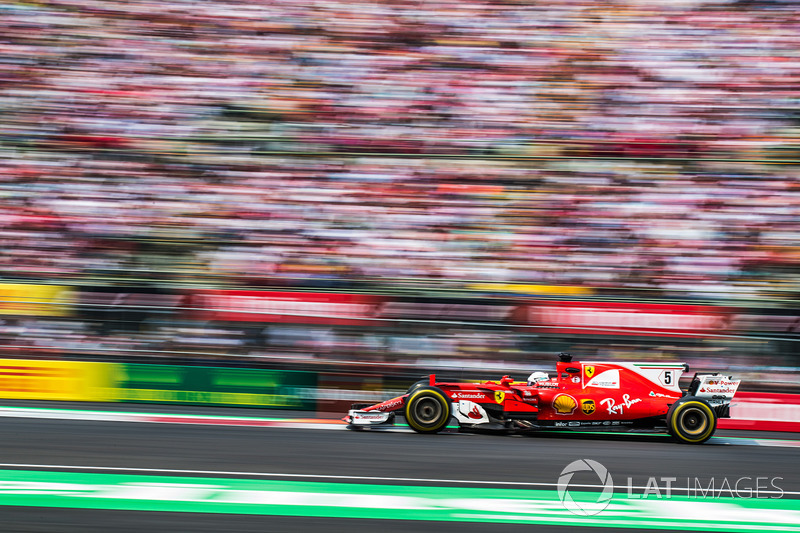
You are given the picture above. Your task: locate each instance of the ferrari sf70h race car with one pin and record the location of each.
(582, 395)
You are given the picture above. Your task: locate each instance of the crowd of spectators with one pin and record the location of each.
(616, 145)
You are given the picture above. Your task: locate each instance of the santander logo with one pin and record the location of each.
(475, 414)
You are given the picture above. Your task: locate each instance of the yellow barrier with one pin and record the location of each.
(22, 379)
(522, 288)
(35, 300)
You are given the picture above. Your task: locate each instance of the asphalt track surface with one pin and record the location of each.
(396, 458)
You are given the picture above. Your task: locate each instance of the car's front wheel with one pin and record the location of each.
(428, 410)
(691, 420)
(421, 383)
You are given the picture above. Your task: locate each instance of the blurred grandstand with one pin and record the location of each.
(481, 168)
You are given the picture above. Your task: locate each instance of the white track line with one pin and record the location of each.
(164, 418)
(340, 477)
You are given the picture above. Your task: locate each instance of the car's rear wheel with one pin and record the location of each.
(691, 420)
(428, 410)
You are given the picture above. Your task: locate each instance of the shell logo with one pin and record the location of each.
(564, 404)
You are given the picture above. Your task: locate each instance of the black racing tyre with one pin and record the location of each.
(428, 410)
(418, 384)
(691, 420)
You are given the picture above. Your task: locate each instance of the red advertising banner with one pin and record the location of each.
(761, 411)
(586, 318)
(284, 307)
(616, 318)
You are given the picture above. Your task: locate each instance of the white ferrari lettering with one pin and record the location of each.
(718, 390)
(390, 404)
(358, 416)
(469, 395)
(615, 408)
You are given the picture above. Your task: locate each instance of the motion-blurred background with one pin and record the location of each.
(369, 191)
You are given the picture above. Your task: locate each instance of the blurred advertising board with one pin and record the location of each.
(762, 411)
(75, 381)
(287, 307)
(336, 391)
(447, 310)
(335, 308)
(773, 322)
(202, 385)
(517, 289)
(35, 300)
(124, 307)
(622, 318)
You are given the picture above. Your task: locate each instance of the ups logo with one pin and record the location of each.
(588, 407)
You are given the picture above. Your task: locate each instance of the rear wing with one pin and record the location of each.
(717, 390)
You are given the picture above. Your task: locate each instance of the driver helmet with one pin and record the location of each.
(537, 376)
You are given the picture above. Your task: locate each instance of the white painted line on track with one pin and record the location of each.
(750, 441)
(177, 471)
(169, 418)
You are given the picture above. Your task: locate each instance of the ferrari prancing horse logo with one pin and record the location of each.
(499, 396)
(589, 371)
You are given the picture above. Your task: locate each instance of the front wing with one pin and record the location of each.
(376, 415)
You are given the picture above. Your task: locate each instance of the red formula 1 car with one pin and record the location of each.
(582, 395)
